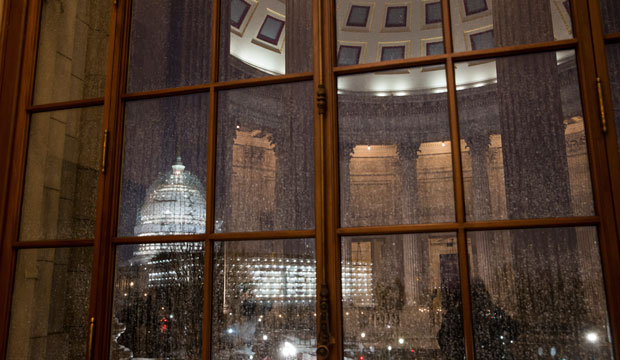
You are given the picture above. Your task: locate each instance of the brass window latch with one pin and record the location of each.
(91, 329)
(322, 349)
(601, 104)
(104, 151)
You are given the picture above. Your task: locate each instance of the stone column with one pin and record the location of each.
(189, 44)
(293, 140)
(610, 10)
(298, 36)
(481, 205)
(537, 182)
(224, 174)
(415, 254)
(346, 213)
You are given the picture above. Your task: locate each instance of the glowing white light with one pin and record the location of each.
(382, 94)
(230, 331)
(363, 334)
(171, 316)
(401, 341)
(265, 337)
(131, 283)
(390, 348)
(400, 93)
(443, 144)
(289, 349)
(592, 337)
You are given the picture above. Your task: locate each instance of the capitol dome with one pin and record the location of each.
(174, 205)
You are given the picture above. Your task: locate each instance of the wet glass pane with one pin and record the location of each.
(72, 52)
(401, 297)
(382, 31)
(264, 300)
(62, 170)
(265, 159)
(538, 294)
(170, 44)
(613, 66)
(395, 161)
(525, 153)
(263, 38)
(610, 12)
(164, 166)
(49, 314)
(483, 24)
(158, 301)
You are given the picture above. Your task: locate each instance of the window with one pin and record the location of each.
(270, 30)
(358, 16)
(482, 40)
(348, 55)
(178, 183)
(392, 53)
(238, 11)
(396, 16)
(434, 48)
(475, 6)
(432, 12)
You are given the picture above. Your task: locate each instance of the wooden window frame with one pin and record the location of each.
(20, 27)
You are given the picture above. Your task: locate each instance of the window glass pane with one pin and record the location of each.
(164, 166)
(401, 297)
(262, 38)
(62, 171)
(265, 159)
(158, 301)
(508, 22)
(613, 65)
(525, 152)
(538, 294)
(394, 138)
(610, 12)
(264, 300)
(49, 314)
(373, 27)
(72, 52)
(170, 44)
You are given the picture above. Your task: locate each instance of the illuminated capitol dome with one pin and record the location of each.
(174, 205)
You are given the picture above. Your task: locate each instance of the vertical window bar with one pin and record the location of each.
(459, 196)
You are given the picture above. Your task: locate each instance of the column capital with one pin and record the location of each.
(408, 150)
(346, 150)
(478, 144)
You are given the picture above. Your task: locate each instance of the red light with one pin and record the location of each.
(412, 350)
(361, 358)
